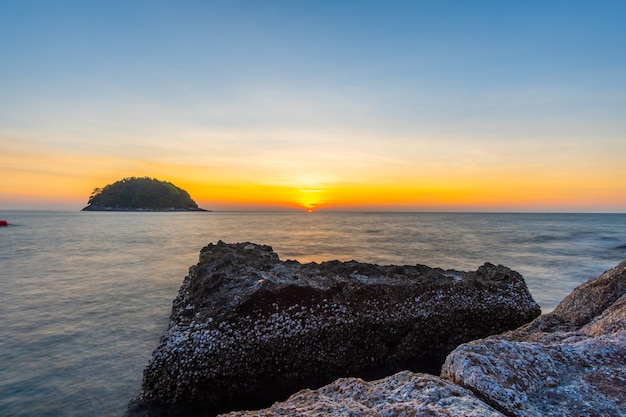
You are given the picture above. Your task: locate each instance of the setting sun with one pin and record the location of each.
(310, 199)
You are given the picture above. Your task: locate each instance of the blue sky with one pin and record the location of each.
(279, 88)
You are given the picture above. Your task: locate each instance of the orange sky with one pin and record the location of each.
(45, 178)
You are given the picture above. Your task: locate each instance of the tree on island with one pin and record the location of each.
(138, 194)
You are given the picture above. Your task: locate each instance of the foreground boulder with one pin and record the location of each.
(248, 329)
(405, 394)
(571, 362)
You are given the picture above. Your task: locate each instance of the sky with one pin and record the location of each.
(325, 105)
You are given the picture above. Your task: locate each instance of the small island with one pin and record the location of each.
(141, 194)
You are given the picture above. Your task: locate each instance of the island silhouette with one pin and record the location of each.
(141, 194)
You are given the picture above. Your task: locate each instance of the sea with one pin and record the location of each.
(85, 296)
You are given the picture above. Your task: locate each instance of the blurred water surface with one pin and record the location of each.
(85, 296)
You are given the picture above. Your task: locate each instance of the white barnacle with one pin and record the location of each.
(551, 381)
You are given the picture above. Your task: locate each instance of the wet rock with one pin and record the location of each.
(248, 329)
(404, 394)
(571, 362)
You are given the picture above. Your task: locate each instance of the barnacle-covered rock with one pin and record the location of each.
(248, 329)
(571, 362)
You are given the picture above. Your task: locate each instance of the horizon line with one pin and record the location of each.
(323, 211)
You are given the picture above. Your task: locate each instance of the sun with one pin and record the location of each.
(309, 191)
(310, 199)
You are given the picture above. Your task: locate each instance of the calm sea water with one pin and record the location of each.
(84, 297)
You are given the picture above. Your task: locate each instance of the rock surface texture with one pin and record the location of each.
(404, 394)
(571, 362)
(248, 329)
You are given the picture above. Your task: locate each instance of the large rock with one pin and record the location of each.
(567, 363)
(247, 329)
(404, 394)
(571, 362)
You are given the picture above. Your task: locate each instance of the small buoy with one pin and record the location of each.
(4, 223)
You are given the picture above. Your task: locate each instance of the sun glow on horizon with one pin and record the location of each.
(55, 182)
(310, 199)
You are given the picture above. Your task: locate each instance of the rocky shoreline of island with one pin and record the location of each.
(249, 331)
(169, 209)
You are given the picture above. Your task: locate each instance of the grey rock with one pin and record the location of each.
(405, 394)
(248, 329)
(571, 362)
